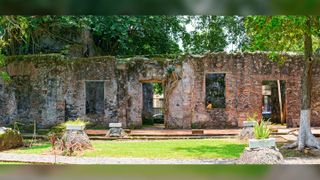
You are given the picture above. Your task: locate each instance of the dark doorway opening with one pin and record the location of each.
(274, 101)
(153, 104)
(95, 97)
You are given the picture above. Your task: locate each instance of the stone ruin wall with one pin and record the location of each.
(56, 86)
(244, 76)
(58, 89)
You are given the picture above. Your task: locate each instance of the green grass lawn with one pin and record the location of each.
(203, 148)
(12, 163)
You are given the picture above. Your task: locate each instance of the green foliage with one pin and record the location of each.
(214, 33)
(170, 69)
(252, 117)
(121, 35)
(115, 35)
(77, 122)
(280, 34)
(4, 75)
(261, 130)
(157, 88)
(58, 130)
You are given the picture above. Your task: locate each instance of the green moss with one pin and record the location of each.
(55, 59)
(38, 58)
(10, 139)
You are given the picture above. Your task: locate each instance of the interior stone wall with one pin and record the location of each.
(58, 89)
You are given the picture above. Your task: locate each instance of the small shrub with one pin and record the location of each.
(252, 117)
(261, 130)
(77, 122)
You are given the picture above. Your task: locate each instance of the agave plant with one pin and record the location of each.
(261, 130)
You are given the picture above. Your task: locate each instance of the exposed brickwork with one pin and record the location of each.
(58, 89)
(244, 76)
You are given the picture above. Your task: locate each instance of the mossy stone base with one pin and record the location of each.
(9, 139)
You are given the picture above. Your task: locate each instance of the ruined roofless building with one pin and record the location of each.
(52, 89)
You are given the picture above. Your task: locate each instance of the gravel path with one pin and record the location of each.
(33, 158)
(297, 160)
(105, 160)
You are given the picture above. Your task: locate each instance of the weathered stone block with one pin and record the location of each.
(115, 125)
(261, 156)
(246, 133)
(75, 127)
(262, 143)
(115, 132)
(249, 123)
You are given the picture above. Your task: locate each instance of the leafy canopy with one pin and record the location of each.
(121, 35)
(280, 33)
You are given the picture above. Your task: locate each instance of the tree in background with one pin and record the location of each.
(290, 33)
(15, 28)
(114, 35)
(120, 35)
(214, 33)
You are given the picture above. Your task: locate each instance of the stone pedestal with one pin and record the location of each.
(262, 143)
(76, 139)
(75, 127)
(115, 130)
(261, 151)
(261, 156)
(247, 131)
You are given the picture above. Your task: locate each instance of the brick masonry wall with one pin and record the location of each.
(58, 89)
(244, 76)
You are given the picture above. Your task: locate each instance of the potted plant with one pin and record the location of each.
(261, 137)
(251, 120)
(77, 125)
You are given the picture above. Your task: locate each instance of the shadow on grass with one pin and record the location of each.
(223, 151)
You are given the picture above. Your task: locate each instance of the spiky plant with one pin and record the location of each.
(261, 130)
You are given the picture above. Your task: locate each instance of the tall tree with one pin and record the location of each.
(15, 28)
(114, 35)
(121, 35)
(214, 33)
(290, 33)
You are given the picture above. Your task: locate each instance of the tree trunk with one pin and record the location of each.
(306, 138)
(280, 101)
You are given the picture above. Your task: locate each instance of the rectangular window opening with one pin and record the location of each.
(22, 94)
(94, 97)
(215, 90)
